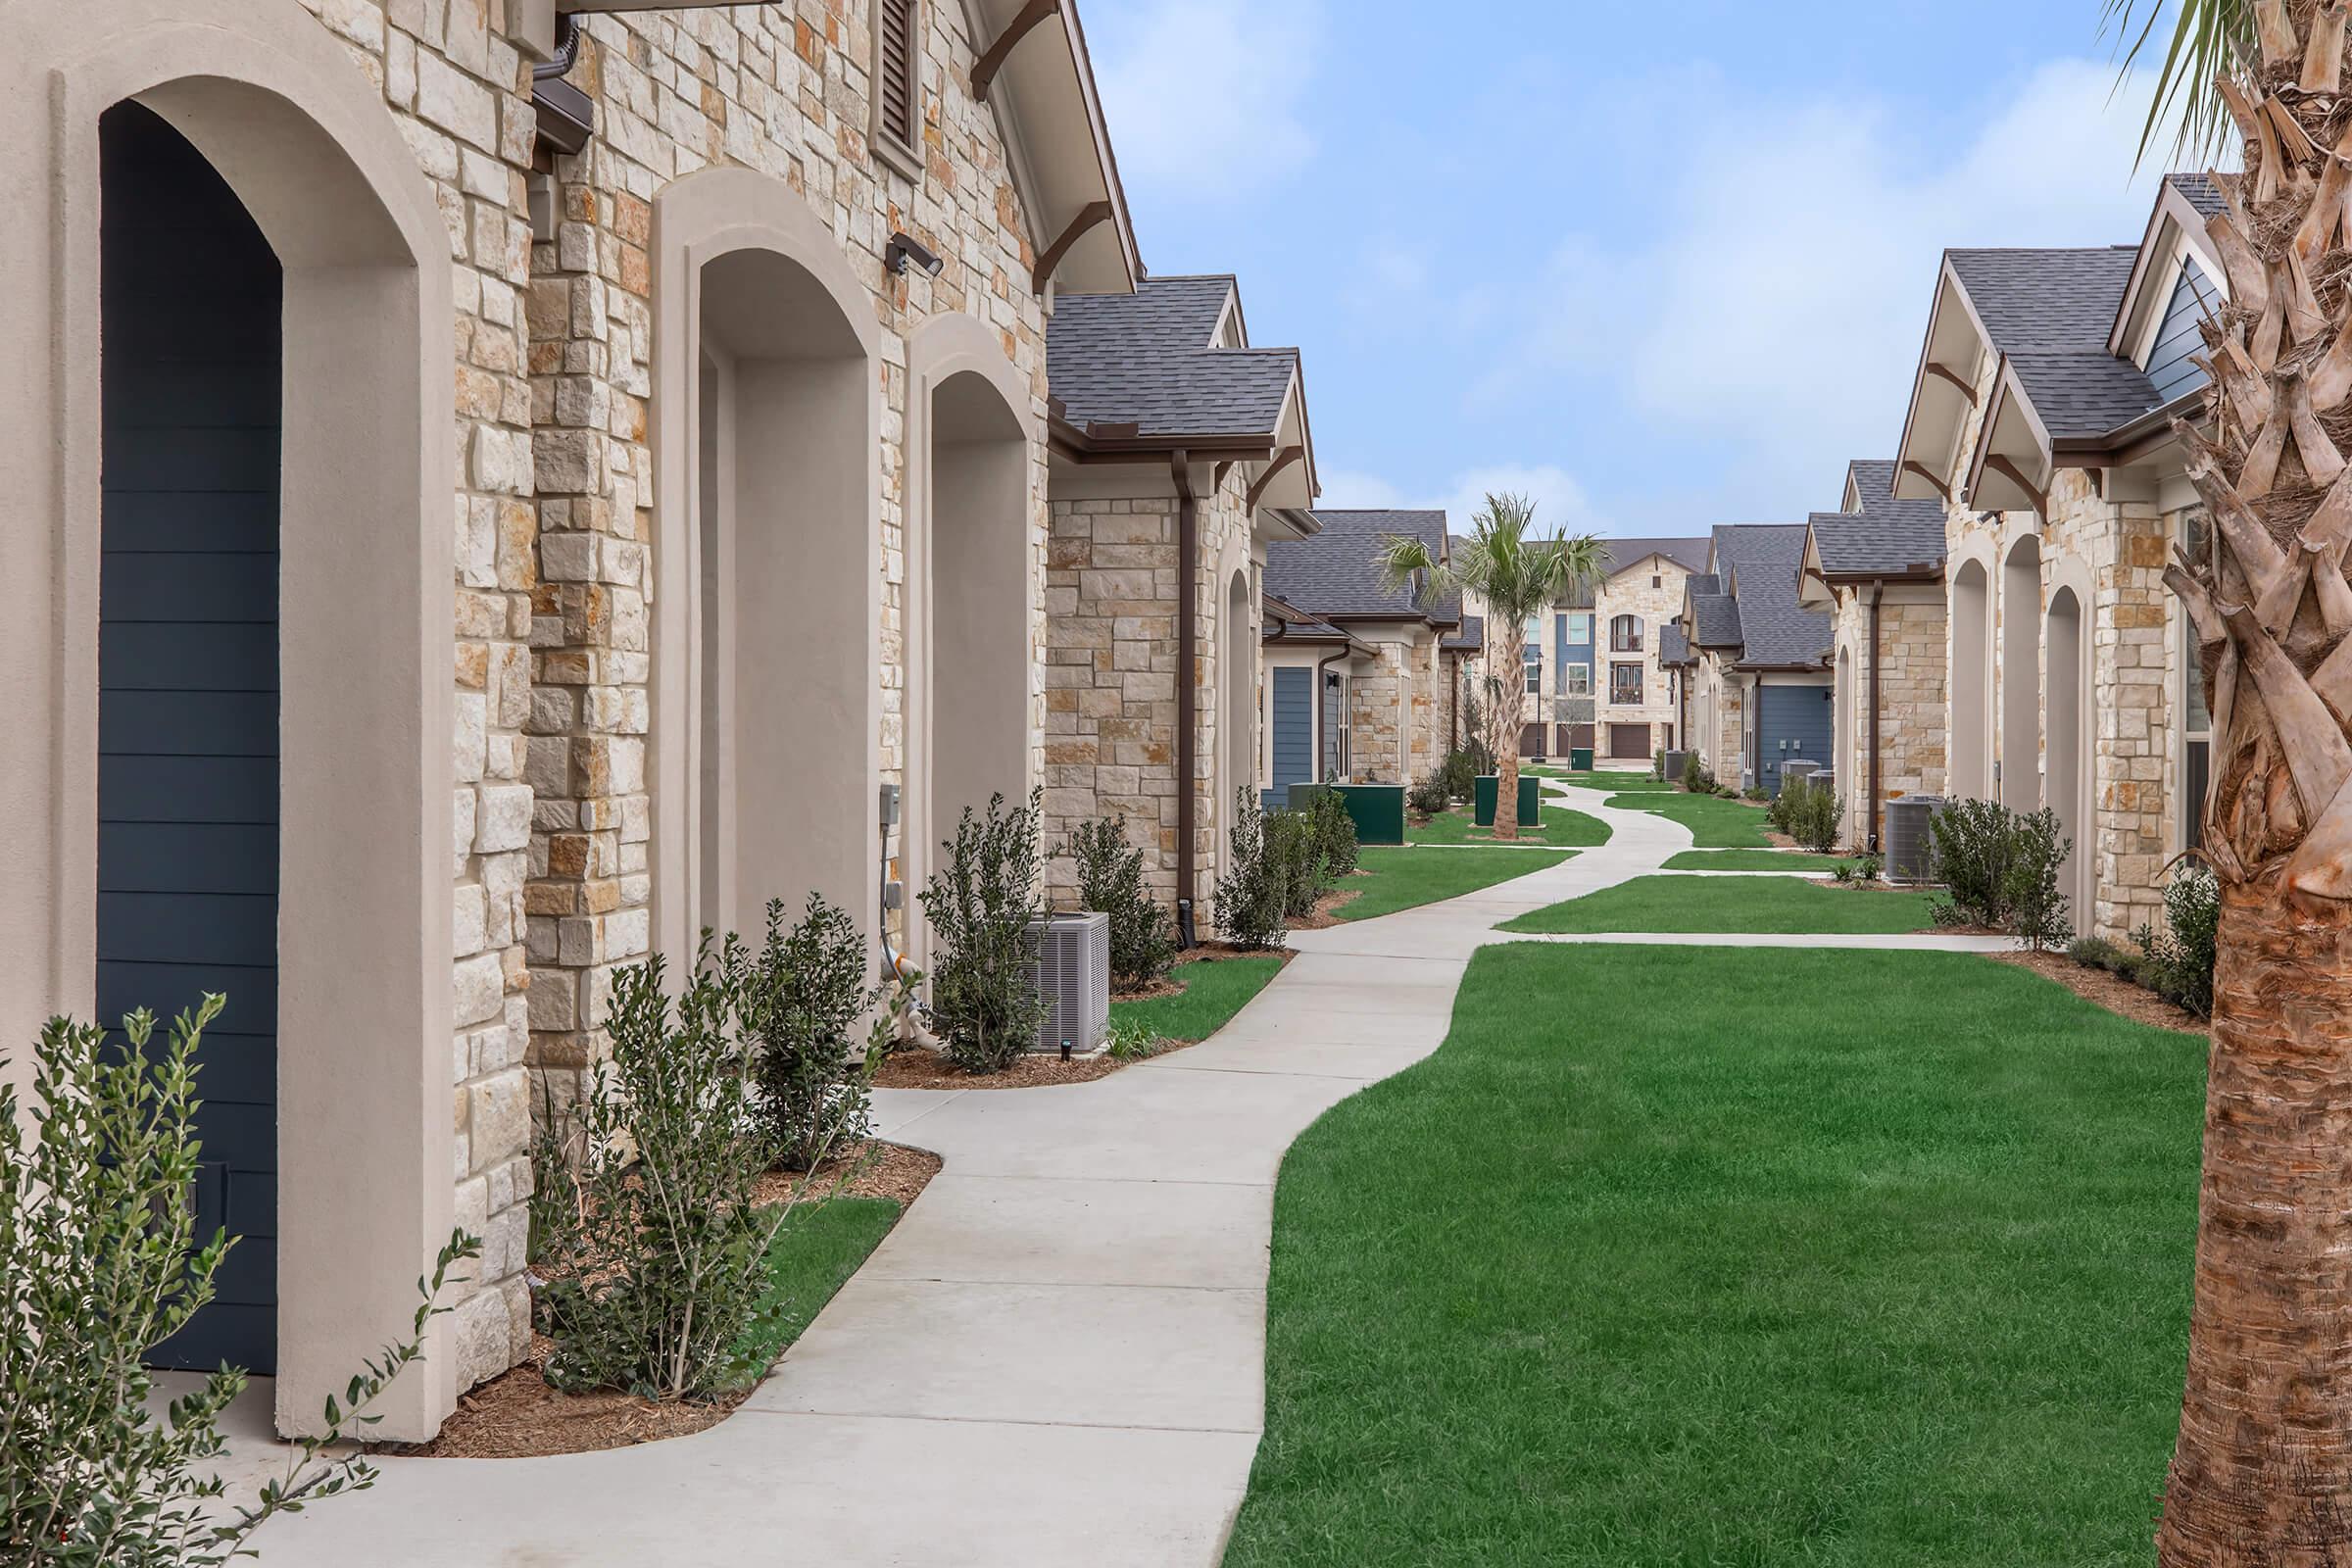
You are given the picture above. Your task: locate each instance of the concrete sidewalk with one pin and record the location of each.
(1057, 1359)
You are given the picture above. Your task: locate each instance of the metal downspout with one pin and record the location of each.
(1322, 665)
(1188, 697)
(1877, 591)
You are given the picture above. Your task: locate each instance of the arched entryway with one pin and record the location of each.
(971, 611)
(1844, 763)
(767, 714)
(2021, 675)
(2069, 742)
(1970, 676)
(230, 581)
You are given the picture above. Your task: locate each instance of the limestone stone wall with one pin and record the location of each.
(551, 504)
(1629, 593)
(1110, 651)
(1912, 711)
(1716, 707)
(1376, 701)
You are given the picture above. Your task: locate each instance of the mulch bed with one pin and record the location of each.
(1325, 912)
(2111, 991)
(517, 1415)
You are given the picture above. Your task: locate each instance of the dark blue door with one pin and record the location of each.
(189, 675)
(1293, 761)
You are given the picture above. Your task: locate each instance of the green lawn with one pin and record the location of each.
(1715, 823)
(816, 1252)
(1561, 827)
(1754, 861)
(1698, 1257)
(1734, 903)
(1607, 780)
(1401, 879)
(1214, 990)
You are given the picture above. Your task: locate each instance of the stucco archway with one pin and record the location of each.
(2021, 675)
(1237, 722)
(971, 612)
(276, 108)
(1844, 760)
(2069, 782)
(767, 644)
(1971, 682)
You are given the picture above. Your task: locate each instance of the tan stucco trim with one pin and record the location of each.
(827, 842)
(942, 348)
(365, 1195)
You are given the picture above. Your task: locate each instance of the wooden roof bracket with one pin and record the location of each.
(1942, 489)
(1089, 215)
(992, 60)
(2015, 475)
(1282, 459)
(1966, 390)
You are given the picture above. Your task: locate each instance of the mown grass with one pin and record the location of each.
(1687, 1257)
(1607, 780)
(1740, 905)
(822, 1245)
(1214, 990)
(1403, 879)
(1715, 823)
(1562, 825)
(1754, 861)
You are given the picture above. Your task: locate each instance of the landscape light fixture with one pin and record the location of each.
(904, 248)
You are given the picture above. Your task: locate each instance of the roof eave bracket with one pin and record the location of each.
(992, 60)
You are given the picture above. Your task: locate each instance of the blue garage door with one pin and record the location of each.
(188, 676)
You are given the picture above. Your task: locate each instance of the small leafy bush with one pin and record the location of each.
(1751, 793)
(1975, 844)
(1430, 794)
(1134, 1042)
(1334, 834)
(1811, 814)
(1110, 879)
(1842, 872)
(2177, 963)
(1460, 773)
(2037, 911)
(799, 1001)
(643, 1225)
(1253, 889)
(1870, 869)
(1657, 766)
(2098, 952)
(983, 906)
(1697, 778)
(100, 1264)
(1291, 846)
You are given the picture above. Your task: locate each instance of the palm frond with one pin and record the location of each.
(2211, 39)
(1403, 560)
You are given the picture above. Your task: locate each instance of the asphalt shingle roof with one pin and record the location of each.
(2200, 190)
(1690, 554)
(1471, 637)
(1336, 571)
(1773, 632)
(1714, 621)
(1674, 649)
(1146, 358)
(1887, 535)
(2051, 312)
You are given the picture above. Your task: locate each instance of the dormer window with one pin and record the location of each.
(897, 131)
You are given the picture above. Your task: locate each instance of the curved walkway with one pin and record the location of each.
(1057, 1356)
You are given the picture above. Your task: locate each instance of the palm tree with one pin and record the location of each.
(2262, 1470)
(1519, 578)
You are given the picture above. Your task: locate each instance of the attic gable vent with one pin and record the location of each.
(898, 75)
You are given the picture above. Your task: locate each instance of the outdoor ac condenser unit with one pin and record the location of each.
(1795, 770)
(1074, 975)
(1910, 841)
(1670, 764)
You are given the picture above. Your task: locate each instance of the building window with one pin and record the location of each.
(1625, 685)
(1534, 668)
(2196, 724)
(1625, 635)
(1579, 629)
(1576, 680)
(897, 131)
(1656, 580)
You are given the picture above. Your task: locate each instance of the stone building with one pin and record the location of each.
(1876, 564)
(538, 487)
(1179, 454)
(2040, 421)
(1401, 697)
(1759, 660)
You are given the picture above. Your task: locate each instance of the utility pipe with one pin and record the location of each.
(1877, 591)
(1188, 698)
(1322, 706)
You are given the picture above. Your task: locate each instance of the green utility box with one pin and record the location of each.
(1377, 809)
(1531, 795)
(1579, 758)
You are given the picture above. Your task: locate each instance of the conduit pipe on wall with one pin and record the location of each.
(1187, 700)
(1323, 706)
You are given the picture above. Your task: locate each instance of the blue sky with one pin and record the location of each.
(1661, 264)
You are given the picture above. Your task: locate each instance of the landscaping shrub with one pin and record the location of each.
(1430, 794)
(100, 1264)
(1696, 777)
(1975, 844)
(1110, 879)
(799, 999)
(643, 1227)
(1460, 773)
(2177, 963)
(983, 906)
(1811, 814)
(2037, 907)
(1334, 834)
(1751, 793)
(2098, 952)
(1842, 872)
(1253, 889)
(1292, 847)
(1134, 1042)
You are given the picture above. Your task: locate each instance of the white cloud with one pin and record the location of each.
(1777, 300)
(1200, 93)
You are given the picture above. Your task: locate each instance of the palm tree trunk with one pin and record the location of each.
(1507, 732)
(2263, 1470)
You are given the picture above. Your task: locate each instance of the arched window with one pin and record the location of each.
(1625, 635)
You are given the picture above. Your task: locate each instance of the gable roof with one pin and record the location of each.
(1469, 637)
(1336, 573)
(1674, 649)
(1759, 563)
(1884, 538)
(2199, 191)
(1151, 360)
(1689, 554)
